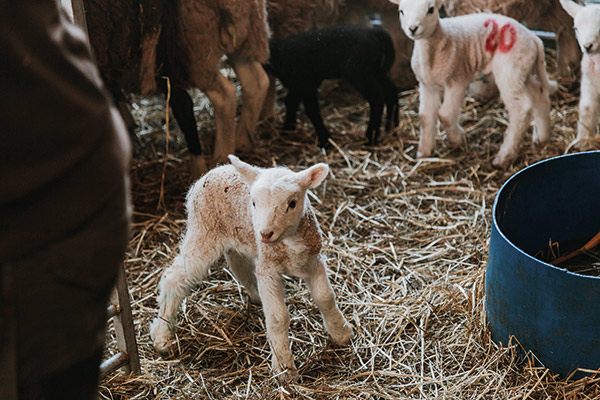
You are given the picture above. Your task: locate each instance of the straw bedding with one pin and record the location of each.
(406, 243)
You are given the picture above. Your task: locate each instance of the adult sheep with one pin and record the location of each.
(136, 43)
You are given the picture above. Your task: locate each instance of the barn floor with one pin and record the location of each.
(406, 243)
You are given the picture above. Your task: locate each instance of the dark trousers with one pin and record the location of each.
(53, 309)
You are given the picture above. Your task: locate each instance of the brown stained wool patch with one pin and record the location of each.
(406, 245)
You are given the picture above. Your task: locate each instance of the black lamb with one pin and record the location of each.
(362, 56)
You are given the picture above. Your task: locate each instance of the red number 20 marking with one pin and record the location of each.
(504, 41)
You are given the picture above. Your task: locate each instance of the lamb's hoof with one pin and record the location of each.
(458, 142)
(161, 336)
(423, 154)
(581, 145)
(287, 376)
(289, 127)
(343, 335)
(501, 162)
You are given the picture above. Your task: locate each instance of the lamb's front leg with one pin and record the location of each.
(449, 111)
(277, 317)
(428, 112)
(338, 328)
(588, 115)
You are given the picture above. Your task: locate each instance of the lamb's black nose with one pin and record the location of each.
(413, 29)
(588, 47)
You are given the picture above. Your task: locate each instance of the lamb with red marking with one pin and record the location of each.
(450, 52)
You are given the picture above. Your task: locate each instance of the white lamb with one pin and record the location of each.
(450, 52)
(262, 221)
(587, 28)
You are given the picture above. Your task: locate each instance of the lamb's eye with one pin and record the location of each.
(292, 204)
(401, 12)
(253, 204)
(430, 11)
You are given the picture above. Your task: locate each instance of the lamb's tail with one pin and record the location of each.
(389, 53)
(546, 83)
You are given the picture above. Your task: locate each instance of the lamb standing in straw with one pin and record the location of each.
(449, 53)
(587, 28)
(263, 223)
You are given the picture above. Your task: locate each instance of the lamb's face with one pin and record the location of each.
(278, 197)
(587, 28)
(418, 18)
(586, 22)
(277, 205)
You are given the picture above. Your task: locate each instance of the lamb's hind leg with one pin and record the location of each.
(540, 102)
(338, 328)
(243, 269)
(189, 267)
(449, 111)
(255, 83)
(518, 105)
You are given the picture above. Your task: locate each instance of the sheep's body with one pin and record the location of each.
(450, 52)
(246, 214)
(587, 22)
(291, 16)
(362, 56)
(185, 40)
(546, 15)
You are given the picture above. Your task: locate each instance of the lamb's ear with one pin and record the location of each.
(396, 2)
(570, 7)
(247, 171)
(438, 4)
(313, 176)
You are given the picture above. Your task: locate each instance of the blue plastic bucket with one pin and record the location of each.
(553, 313)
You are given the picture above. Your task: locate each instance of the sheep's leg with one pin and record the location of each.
(338, 328)
(311, 107)
(391, 102)
(268, 110)
(429, 105)
(223, 98)
(540, 102)
(518, 105)
(255, 83)
(292, 101)
(188, 268)
(588, 115)
(277, 317)
(243, 269)
(183, 111)
(370, 88)
(449, 111)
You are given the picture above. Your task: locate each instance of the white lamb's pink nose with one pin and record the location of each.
(266, 236)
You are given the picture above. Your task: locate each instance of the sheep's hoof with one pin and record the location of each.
(161, 336)
(581, 145)
(342, 336)
(287, 376)
(289, 126)
(501, 162)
